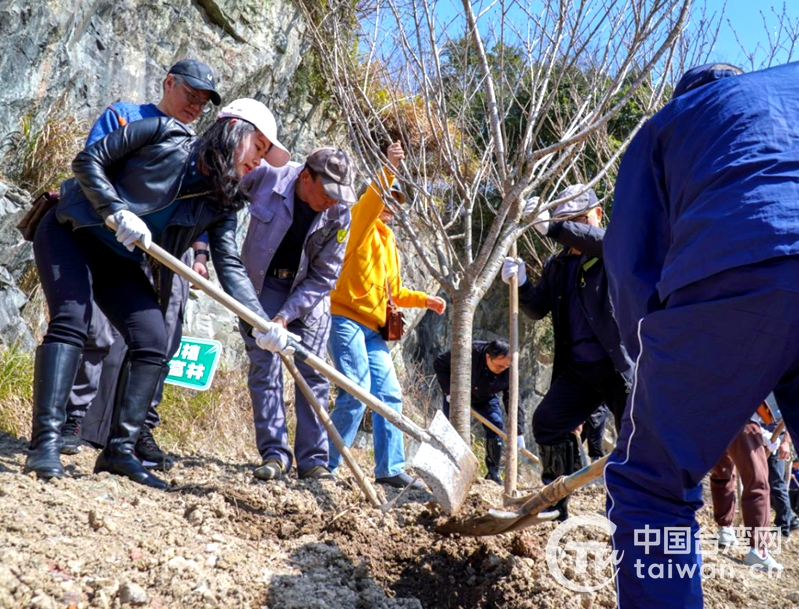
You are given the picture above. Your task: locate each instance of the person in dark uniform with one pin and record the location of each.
(591, 366)
(490, 363)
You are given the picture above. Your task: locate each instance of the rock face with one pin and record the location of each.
(87, 54)
(79, 57)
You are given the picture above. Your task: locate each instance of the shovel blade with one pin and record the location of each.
(493, 523)
(446, 464)
(528, 514)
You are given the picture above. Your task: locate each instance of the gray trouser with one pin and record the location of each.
(266, 389)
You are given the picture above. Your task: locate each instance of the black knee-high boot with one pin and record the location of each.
(559, 460)
(54, 373)
(494, 458)
(137, 385)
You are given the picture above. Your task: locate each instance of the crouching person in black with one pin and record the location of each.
(591, 366)
(156, 182)
(490, 363)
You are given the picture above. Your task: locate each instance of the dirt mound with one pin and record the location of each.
(222, 539)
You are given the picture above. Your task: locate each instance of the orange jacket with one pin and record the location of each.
(370, 258)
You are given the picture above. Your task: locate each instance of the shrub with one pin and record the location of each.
(39, 155)
(16, 389)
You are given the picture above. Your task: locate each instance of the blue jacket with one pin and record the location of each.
(271, 212)
(547, 296)
(710, 183)
(118, 115)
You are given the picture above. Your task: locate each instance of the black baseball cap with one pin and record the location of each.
(703, 75)
(198, 76)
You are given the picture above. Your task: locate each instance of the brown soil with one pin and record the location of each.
(222, 539)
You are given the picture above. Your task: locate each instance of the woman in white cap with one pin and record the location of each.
(154, 180)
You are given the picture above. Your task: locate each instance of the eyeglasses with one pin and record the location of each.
(194, 99)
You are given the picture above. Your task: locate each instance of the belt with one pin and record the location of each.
(281, 273)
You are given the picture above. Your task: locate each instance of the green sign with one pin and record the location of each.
(195, 363)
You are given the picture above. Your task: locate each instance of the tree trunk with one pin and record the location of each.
(463, 308)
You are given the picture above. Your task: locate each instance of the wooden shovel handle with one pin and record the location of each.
(555, 491)
(503, 435)
(777, 431)
(333, 433)
(257, 321)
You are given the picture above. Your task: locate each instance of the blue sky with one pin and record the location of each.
(737, 16)
(745, 17)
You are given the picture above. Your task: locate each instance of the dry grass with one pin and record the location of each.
(16, 390)
(218, 420)
(38, 157)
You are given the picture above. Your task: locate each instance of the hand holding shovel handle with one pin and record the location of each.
(256, 321)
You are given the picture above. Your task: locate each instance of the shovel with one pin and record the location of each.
(511, 453)
(529, 513)
(444, 460)
(333, 433)
(503, 435)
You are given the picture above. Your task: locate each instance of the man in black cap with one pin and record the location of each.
(188, 88)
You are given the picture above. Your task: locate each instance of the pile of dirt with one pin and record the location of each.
(222, 539)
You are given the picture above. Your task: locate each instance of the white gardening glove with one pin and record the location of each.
(542, 222)
(770, 446)
(447, 398)
(275, 339)
(511, 267)
(131, 228)
(520, 444)
(530, 205)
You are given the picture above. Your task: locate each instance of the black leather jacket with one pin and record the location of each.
(548, 295)
(140, 168)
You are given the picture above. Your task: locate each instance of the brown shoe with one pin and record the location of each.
(271, 469)
(320, 472)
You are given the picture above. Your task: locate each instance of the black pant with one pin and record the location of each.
(576, 393)
(594, 431)
(76, 267)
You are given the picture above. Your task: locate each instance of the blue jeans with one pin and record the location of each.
(362, 355)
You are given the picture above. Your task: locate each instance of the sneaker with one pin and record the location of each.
(401, 480)
(319, 472)
(726, 537)
(70, 434)
(150, 454)
(271, 469)
(761, 560)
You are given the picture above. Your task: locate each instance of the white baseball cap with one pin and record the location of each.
(583, 199)
(253, 111)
